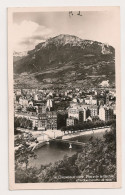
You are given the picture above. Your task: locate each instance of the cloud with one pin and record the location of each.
(27, 34)
(39, 37)
(25, 41)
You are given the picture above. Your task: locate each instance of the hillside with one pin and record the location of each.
(18, 55)
(66, 60)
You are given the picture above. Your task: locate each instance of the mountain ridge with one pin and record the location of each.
(64, 39)
(59, 56)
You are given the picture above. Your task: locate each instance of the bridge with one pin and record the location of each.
(66, 138)
(70, 143)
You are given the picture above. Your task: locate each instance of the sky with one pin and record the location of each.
(31, 28)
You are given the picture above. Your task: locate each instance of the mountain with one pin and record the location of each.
(19, 55)
(65, 60)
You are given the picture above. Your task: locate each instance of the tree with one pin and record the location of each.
(16, 122)
(35, 128)
(22, 122)
(24, 153)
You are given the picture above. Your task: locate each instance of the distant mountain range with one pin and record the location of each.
(65, 60)
(19, 55)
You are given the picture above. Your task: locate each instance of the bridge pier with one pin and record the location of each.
(68, 142)
(70, 145)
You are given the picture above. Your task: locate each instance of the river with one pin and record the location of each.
(51, 153)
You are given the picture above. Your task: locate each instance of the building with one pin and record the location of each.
(30, 116)
(107, 99)
(72, 104)
(51, 120)
(35, 97)
(114, 109)
(89, 118)
(109, 114)
(31, 103)
(70, 95)
(34, 118)
(101, 102)
(42, 121)
(49, 104)
(82, 116)
(23, 102)
(102, 113)
(88, 113)
(78, 112)
(73, 112)
(93, 110)
(71, 121)
(90, 100)
(105, 113)
(18, 92)
(41, 109)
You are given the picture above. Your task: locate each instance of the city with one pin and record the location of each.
(45, 108)
(50, 124)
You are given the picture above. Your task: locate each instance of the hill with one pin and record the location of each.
(18, 55)
(66, 60)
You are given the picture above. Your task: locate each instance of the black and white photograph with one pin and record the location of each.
(64, 96)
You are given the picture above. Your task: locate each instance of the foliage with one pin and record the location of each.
(22, 122)
(23, 153)
(97, 158)
(26, 176)
(31, 109)
(88, 125)
(61, 105)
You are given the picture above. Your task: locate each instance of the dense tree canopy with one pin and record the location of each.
(88, 125)
(22, 122)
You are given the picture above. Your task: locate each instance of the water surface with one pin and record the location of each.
(54, 152)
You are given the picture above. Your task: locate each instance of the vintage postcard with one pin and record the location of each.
(64, 97)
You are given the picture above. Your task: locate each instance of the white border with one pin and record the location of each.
(3, 85)
(12, 184)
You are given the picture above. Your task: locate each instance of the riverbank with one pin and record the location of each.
(38, 145)
(87, 132)
(43, 137)
(98, 157)
(55, 151)
(48, 134)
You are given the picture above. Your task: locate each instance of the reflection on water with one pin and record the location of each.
(51, 153)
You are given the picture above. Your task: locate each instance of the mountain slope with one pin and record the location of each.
(19, 55)
(67, 59)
